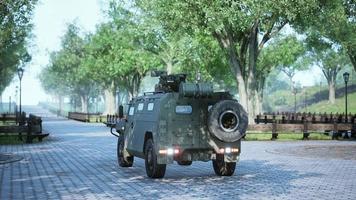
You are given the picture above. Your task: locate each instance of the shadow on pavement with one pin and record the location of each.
(252, 177)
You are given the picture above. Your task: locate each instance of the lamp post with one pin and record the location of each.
(346, 79)
(320, 92)
(20, 74)
(9, 104)
(346, 76)
(305, 100)
(294, 91)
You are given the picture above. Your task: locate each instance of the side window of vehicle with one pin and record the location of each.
(140, 107)
(150, 106)
(131, 110)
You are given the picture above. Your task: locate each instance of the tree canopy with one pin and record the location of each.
(235, 44)
(242, 28)
(15, 23)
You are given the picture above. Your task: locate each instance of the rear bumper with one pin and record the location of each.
(196, 155)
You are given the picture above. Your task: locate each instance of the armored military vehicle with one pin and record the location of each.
(181, 122)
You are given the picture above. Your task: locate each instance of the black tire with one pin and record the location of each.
(153, 169)
(128, 162)
(185, 162)
(223, 168)
(227, 121)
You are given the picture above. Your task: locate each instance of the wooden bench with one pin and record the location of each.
(31, 126)
(85, 117)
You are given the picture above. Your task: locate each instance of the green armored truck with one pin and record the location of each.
(182, 122)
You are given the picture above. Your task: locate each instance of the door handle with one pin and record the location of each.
(132, 125)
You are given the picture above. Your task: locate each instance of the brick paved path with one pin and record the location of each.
(78, 161)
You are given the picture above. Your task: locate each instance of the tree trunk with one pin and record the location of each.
(331, 84)
(258, 102)
(136, 81)
(60, 105)
(1, 106)
(228, 46)
(251, 77)
(130, 95)
(330, 75)
(245, 82)
(351, 52)
(84, 101)
(109, 95)
(169, 66)
(236, 68)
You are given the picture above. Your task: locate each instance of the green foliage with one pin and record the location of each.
(15, 28)
(286, 54)
(231, 43)
(116, 55)
(335, 21)
(241, 28)
(66, 71)
(275, 82)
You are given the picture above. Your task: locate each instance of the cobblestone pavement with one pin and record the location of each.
(78, 161)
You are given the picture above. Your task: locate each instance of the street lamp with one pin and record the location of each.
(346, 76)
(20, 74)
(16, 97)
(295, 99)
(294, 91)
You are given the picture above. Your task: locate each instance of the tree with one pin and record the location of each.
(15, 26)
(285, 53)
(53, 79)
(67, 72)
(242, 28)
(328, 57)
(116, 57)
(335, 21)
(290, 57)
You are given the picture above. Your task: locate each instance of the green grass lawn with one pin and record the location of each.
(7, 123)
(338, 107)
(11, 139)
(14, 139)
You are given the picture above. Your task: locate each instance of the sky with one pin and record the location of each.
(50, 20)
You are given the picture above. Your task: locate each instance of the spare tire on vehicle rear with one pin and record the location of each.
(227, 121)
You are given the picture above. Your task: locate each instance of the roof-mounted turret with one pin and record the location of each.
(168, 83)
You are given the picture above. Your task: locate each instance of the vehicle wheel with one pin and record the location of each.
(153, 169)
(227, 121)
(185, 162)
(120, 154)
(223, 168)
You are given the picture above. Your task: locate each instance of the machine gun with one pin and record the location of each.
(168, 83)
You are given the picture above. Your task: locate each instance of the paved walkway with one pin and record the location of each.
(78, 161)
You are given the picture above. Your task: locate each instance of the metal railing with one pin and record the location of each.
(332, 124)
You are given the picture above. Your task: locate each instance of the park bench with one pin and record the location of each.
(31, 126)
(8, 117)
(85, 117)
